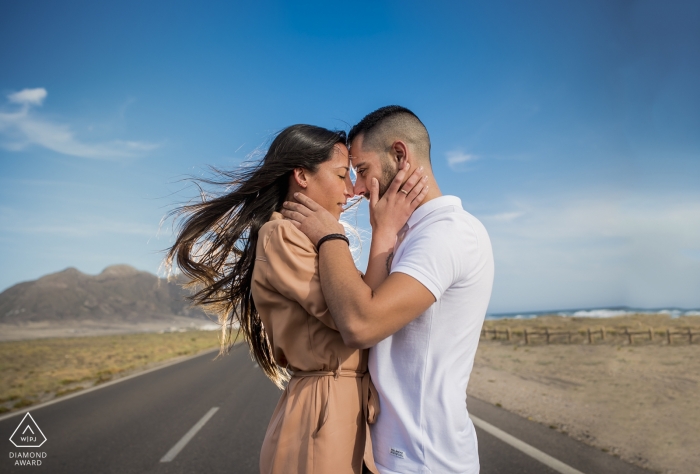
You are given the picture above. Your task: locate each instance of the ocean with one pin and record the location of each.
(595, 313)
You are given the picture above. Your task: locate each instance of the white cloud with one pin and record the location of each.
(505, 216)
(78, 226)
(456, 158)
(23, 128)
(28, 96)
(610, 250)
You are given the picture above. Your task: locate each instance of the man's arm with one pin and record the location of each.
(365, 317)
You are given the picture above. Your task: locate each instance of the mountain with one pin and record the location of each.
(119, 294)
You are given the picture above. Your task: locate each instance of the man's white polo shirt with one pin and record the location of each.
(421, 372)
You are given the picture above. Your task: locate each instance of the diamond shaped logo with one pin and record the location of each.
(28, 434)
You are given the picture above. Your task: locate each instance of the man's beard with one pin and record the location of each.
(388, 174)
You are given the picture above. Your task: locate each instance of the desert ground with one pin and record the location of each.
(38, 370)
(101, 327)
(639, 402)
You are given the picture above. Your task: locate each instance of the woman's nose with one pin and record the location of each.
(349, 188)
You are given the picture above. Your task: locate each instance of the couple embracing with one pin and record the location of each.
(374, 366)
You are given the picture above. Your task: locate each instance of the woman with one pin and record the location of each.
(256, 269)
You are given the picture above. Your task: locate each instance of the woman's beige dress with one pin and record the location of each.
(320, 423)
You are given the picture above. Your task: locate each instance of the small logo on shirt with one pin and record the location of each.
(397, 452)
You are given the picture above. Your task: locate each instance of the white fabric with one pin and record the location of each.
(421, 372)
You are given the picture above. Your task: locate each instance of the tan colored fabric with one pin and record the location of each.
(320, 423)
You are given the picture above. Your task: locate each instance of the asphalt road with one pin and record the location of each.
(130, 426)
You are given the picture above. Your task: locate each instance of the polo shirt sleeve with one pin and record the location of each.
(433, 257)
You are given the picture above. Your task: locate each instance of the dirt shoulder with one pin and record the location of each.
(638, 402)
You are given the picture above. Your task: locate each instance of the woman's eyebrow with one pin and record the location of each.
(343, 167)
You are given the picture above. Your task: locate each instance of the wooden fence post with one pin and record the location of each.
(629, 335)
(668, 336)
(527, 339)
(590, 339)
(690, 336)
(508, 333)
(546, 333)
(602, 333)
(651, 335)
(568, 333)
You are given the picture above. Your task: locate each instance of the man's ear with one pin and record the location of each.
(300, 177)
(400, 152)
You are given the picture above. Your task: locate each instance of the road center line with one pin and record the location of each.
(531, 451)
(170, 455)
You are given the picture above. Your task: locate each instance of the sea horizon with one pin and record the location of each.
(599, 312)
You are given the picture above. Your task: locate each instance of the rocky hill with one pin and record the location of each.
(120, 294)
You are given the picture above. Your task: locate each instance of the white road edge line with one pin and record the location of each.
(177, 360)
(170, 455)
(531, 451)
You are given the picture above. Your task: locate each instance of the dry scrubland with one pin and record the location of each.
(38, 370)
(638, 402)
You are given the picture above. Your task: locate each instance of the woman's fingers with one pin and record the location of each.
(416, 189)
(306, 201)
(373, 192)
(419, 198)
(398, 179)
(416, 180)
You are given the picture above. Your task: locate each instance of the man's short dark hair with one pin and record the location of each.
(388, 123)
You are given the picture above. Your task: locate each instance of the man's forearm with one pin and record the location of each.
(362, 315)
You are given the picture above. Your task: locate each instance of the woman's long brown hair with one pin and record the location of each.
(217, 237)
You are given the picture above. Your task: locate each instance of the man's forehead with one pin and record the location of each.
(356, 145)
(354, 158)
(356, 161)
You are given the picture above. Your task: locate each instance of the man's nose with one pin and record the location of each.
(359, 189)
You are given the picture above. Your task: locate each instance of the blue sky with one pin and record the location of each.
(571, 129)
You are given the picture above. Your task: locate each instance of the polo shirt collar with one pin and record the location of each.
(431, 206)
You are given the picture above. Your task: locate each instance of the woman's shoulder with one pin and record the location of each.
(280, 232)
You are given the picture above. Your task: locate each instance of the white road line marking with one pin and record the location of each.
(170, 455)
(531, 451)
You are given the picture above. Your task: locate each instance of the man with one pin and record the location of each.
(423, 321)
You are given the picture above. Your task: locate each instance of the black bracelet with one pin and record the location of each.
(332, 237)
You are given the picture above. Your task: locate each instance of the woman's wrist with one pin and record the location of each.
(384, 237)
(333, 236)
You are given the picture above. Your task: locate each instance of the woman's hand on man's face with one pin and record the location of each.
(311, 218)
(390, 213)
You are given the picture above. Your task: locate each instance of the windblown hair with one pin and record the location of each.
(217, 237)
(389, 123)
